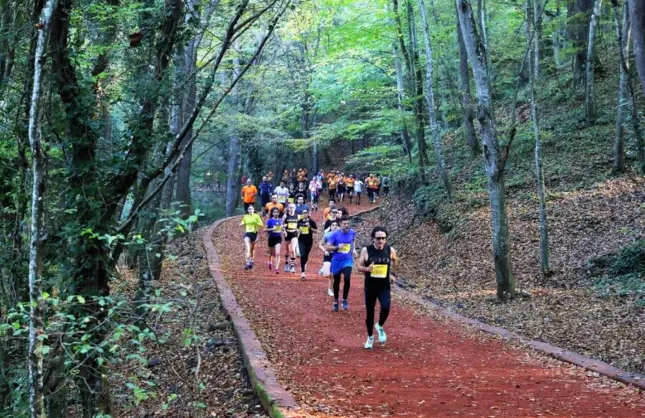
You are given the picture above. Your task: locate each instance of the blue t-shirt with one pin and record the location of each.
(266, 188)
(300, 208)
(273, 222)
(345, 243)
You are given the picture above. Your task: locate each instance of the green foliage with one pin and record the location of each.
(621, 273)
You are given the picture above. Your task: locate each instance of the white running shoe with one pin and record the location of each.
(369, 343)
(382, 337)
(330, 292)
(292, 269)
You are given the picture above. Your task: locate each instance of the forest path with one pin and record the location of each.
(430, 367)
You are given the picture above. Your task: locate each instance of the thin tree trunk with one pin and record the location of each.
(481, 22)
(579, 12)
(494, 158)
(233, 151)
(537, 37)
(36, 396)
(622, 34)
(637, 19)
(590, 90)
(466, 99)
(544, 227)
(429, 93)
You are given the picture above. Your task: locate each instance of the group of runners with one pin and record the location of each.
(289, 223)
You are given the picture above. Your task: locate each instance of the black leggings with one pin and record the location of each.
(347, 271)
(305, 248)
(372, 293)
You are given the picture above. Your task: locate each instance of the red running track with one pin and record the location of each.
(430, 366)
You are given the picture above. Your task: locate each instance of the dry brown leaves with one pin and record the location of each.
(208, 378)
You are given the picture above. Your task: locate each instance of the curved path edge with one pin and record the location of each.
(274, 398)
(561, 354)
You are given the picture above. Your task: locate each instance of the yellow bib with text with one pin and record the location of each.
(292, 225)
(344, 248)
(304, 230)
(379, 271)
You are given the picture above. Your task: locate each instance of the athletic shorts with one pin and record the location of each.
(327, 258)
(291, 235)
(274, 240)
(253, 236)
(338, 265)
(350, 190)
(341, 189)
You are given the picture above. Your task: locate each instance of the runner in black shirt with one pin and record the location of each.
(376, 262)
(307, 228)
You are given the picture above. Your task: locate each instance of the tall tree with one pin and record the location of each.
(637, 19)
(429, 93)
(466, 99)
(590, 90)
(494, 157)
(579, 14)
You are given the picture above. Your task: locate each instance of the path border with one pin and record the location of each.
(275, 399)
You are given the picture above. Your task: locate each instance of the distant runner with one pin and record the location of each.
(377, 262)
(252, 223)
(248, 194)
(358, 189)
(341, 243)
(307, 228)
(274, 204)
(290, 222)
(282, 192)
(274, 228)
(266, 189)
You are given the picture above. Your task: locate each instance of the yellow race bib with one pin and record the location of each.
(379, 271)
(251, 228)
(344, 248)
(277, 228)
(292, 225)
(304, 230)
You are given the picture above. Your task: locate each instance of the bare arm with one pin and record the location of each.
(362, 261)
(395, 264)
(321, 245)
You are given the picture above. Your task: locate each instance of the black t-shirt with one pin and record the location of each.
(328, 223)
(306, 228)
(382, 261)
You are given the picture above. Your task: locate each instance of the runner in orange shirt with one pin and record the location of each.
(248, 194)
(371, 183)
(349, 183)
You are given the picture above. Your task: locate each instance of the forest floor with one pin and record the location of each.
(430, 366)
(200, 377)
(574, 307)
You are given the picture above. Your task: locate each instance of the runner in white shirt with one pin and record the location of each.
(283, 193)
(358, 189)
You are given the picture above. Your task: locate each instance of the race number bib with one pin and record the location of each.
(379, 271)
(292, 225)
(277, 228)
(344, 248)
(304, 230)
(250, 228)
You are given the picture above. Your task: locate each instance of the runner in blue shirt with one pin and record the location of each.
(274, 228)
(342, 244)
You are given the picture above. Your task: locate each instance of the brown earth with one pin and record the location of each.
(429, 367)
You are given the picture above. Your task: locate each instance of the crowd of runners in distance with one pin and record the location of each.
(287, 209)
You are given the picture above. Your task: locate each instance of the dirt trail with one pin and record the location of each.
(430, 367)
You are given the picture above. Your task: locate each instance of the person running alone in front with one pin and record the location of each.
(341, 243)
(290, 230)
(377, 262)
(252, 223)
(306, 228)
(274, 228)
(325, 270)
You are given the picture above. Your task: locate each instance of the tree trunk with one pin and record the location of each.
(429, 93)
(400, 95)
(416, 84)
(537, 37)
(494, 159)
(36, 396)
(234, 149)
(466, 99)
(579, 13)
(590, 90)
(636, 22)
(481, 22)
(544, 228)
(637, 19)
(183, 171)
(622, 34)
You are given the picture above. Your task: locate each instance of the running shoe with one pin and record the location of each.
(277, 271)
(286, 268)
(293, 269)
(302, 276)
(382, 337)
(247, 267)
(320, 272)
(345, 305)
(270, 266)
(330, 292)
(334, 306)
(369, 343)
